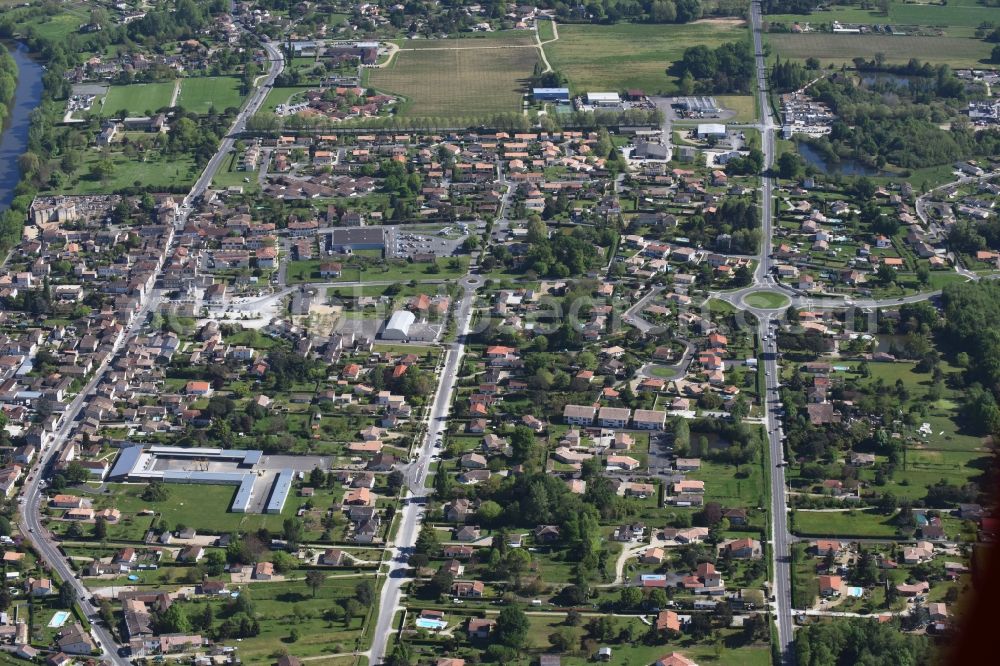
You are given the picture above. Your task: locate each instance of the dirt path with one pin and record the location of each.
(177, 91)
(541, 44)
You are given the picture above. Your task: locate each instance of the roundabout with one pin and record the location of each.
(766, 300)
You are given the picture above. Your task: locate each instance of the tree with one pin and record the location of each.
(564, 639)
(364, 592)
(314, 579)
(427, 541)
(995, 54)
(292, 529)
(630, 597)
(283, 562)
(512, 627)
(174, 620)
(316, 477)
(100, 528)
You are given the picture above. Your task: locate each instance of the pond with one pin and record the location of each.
(846, 167)
(14, 140)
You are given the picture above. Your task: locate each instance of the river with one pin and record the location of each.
(15, 136)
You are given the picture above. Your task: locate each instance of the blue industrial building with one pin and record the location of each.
(550, 94)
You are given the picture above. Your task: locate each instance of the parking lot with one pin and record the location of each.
(401, 243)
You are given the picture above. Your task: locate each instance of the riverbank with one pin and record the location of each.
(14, 140)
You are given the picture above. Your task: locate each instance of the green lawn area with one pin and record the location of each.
(766, 299)
(627, 55)
(199, 506)
(156, 172)
(745, 107)
(842, 523)
(281, 606)
(278, 96)
(201, 93)
(723, 485)
(842, 49)
(732, 652)
(59, 26)
(139, 99)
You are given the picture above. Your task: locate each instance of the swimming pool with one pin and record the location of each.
(855, 591)
(59, 619)
(426, 623)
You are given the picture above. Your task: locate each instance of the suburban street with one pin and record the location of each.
(416, 478)
(30, 508)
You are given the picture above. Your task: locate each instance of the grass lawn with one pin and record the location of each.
(732, 653)
(278, 96)
(199, 506)
(842, 49)
(842, 523)
(156, 172)
(201, 93)
(139, 99)
(280, 606)
(454, 79)
(627, 55)
(724, 486)
(745, 107)
(59, 26)
(766, 299)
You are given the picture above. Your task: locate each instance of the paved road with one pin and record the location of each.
(780, 537)
(30, 521)
(416, 478)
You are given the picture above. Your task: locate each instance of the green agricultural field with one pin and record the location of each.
(139, 99)
(626, 55)
(842, 49)
(200, 94)
(459, 80)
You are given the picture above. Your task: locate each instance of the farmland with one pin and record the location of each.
(842, 49)
(456, 79)
(200, 94)
(138, 99)
(616, 57)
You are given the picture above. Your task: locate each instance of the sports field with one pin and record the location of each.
(137, 98)
(626, 55)
(200, 93)
(457, 80)
(842, 49)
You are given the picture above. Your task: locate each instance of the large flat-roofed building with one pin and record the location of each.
(603, 99)
(399, 325)
(209, 466)
(350, 239)
(550, 94)
(711, 129)
(279, 491)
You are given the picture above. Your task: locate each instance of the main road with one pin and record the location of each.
(780, 537)
(31, 497)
